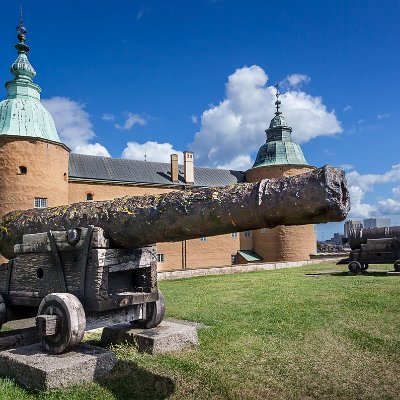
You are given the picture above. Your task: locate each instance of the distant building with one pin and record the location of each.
(336, 239)
(351, 224)
(376, 222)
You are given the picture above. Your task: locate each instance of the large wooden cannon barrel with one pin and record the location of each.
(357, 237)
(315, 197)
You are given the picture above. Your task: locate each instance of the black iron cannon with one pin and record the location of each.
(93, 264)
(374, 246)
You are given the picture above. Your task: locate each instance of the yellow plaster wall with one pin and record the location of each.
(216, 251)
(283, 243)
(47, 173)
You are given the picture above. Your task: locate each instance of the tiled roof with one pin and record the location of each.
(107, 169)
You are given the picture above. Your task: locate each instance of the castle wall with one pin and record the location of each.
(196, 253)
(283, 243)
(214, 251)
(78, 191)
(276, 171)
(46, 173)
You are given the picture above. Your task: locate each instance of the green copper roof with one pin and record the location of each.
(22, 113)
(250, 256)
(279, 148)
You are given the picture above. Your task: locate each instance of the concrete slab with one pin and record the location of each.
(35, 369)
(393, 273)
(168, 336)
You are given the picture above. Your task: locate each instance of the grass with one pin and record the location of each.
(284, 334)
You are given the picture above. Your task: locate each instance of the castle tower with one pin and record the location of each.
(33, 161)
(281, 157)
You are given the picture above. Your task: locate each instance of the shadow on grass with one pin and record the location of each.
(348, 274)
(129, 381)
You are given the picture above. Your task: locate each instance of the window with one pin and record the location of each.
(247, 233)
(160, 258)
(23, 170)
(89, 196)
(40, 202)
(233, 259)
(264, 230)
(203, 239)
(234, 234)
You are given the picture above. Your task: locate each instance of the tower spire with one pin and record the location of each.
(22, 69)
(21, 28)
(21, 112)
(277, 102)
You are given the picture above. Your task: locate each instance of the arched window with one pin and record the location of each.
(89, 196)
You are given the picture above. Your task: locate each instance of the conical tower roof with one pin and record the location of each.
(22, 113)
(279, 148)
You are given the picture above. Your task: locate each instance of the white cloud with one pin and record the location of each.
(359, 185)
(391, 206)
(296, 79)
(131, 120)
(396, 192)
(347, 167)
(241, 163)
(234, 128)
(195, 119)
(74, 126)
(95, 149)
(108, 117)
(347, 108)
(382, 116)
(154, 151)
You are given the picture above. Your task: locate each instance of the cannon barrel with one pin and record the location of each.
(318, 196)
(357, 237)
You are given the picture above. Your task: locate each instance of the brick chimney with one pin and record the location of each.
(188, 167)
(174, 168)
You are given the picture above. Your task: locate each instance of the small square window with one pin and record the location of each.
(203, 239)
(160, 258)
(89, 196)
(40, 202)
(22, 170)
(247, 233)
(234, 234)
(264, 230)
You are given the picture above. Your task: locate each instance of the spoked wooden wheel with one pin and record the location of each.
(355, 267)
(155, 312)
(61, 322)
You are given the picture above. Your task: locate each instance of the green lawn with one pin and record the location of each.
(271, 335)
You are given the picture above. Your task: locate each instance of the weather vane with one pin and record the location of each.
(21, 28)
(278, 102)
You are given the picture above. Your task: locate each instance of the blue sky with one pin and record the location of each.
(156, 76)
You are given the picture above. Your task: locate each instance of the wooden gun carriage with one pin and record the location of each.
(107, 274)
(75, 280)
(374, 246)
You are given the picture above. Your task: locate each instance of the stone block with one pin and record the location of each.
(168, 336)
(18, 338)
(35, 369)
